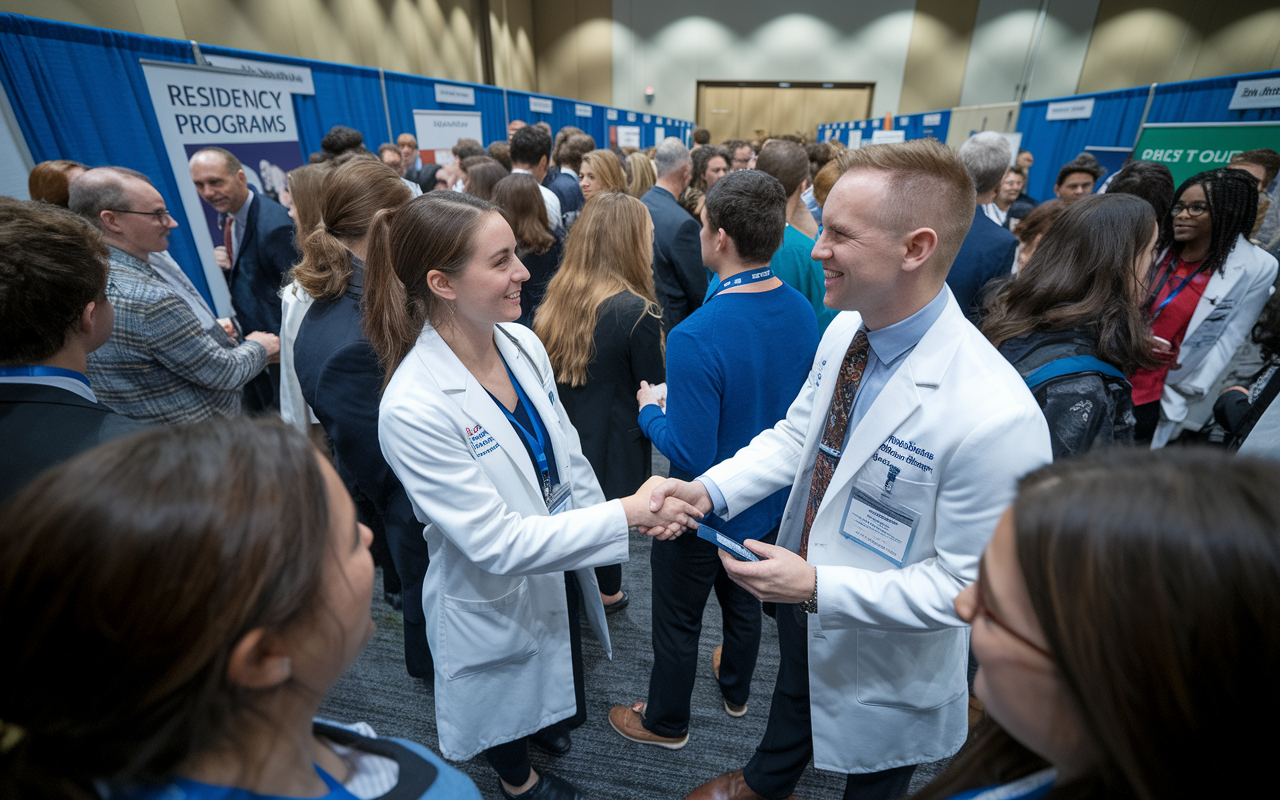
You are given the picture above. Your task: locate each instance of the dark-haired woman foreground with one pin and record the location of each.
(1125, 632)
(176, 605)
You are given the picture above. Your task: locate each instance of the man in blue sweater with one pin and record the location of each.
(734, 366)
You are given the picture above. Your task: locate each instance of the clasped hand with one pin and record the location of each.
(662, 516)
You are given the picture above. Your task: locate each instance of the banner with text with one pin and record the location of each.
(1188, 148)
(439, 131)
(248, 114)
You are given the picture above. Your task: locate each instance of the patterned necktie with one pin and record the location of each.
(855, 363)
(228, 238)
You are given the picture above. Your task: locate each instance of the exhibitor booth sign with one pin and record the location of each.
(1189, 147)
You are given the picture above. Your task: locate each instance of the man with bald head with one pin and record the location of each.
(160, 364)
(255, 249)
(901, 450)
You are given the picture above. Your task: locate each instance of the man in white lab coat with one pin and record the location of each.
(901, 450)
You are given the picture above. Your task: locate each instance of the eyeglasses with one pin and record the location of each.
(1193, 210)
(982, 610)
(160, 216)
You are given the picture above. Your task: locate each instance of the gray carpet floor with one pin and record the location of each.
(602, 764)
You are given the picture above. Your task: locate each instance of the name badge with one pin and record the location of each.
(882, 527)
(560, 497)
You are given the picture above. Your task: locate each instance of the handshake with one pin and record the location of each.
(664, 507)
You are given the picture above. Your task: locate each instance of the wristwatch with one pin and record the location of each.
(810, 606)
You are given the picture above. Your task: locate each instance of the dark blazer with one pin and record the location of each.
(342, 382)
(44, 425)
(542, 268)
(267, 252)
(678, 273)
(987, 252)
(566, 187)
(628, 349)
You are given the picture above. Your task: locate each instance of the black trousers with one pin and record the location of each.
(610, 579)
(787, 746)
(511, 759)
(685, 570)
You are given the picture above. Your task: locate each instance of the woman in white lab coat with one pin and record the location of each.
(472, 426)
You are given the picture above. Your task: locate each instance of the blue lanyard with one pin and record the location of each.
(745, 278)
(1176, 291)
(537, 439)
(42, 372)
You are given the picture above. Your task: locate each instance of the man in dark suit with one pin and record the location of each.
(53, 313)
(257, 250)
(678, 273)
(988, 250)
(341, 380)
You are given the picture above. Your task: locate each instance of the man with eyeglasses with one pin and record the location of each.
(161, 364)
(743, 154)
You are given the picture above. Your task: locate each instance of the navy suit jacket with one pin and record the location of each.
(987, 252)
(678, 273)
(267, 252)
(44, 425)
(571, 201)
(342, 382)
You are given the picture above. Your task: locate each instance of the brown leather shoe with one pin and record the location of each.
(626, 721)
(727, 787)
(729, 708)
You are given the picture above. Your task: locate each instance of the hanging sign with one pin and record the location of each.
(540, 105)
(1264, 93)
(456, 95)
(1069, 109)
(582, 110)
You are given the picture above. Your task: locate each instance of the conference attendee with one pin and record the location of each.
(257, 250)
(53, 312)
(1010, 187)
(1024, 203)
(341, 139)
(1207, 290)
(1238, 409)
(410, 159)
(901, 452)
(530, 154)
(50, 181)
(514, 517)
(642, 176)
(211, 586)
(793, 261)
(305, 186)
(539, 246)
(709, 165)
(1072, 323)
(569, 155)
(1108, 589)
(600, 323)
(1149, 180)
(1076, 178)
(513, 126)
(500, 151)
(678, 273)
(1263, 164)
(1033, 228)
(988, 250)
(601, 171)
(159, 365)
(743, 154)
(481, 175)
(734, 367)
(701, 137)
(390, 155)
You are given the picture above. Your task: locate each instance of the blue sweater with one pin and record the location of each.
(733, 368)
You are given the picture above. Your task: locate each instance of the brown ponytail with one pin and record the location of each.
(431, 232)
(352, 194)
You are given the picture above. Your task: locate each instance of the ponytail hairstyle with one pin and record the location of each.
(305, 186)
(352, 194)
(1232, 197)
(431, 232)
(128, 575)
(608, 250)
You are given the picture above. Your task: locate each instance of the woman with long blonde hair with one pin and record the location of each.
(643, 175)
(600, 323)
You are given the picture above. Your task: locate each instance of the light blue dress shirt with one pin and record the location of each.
(890, 347)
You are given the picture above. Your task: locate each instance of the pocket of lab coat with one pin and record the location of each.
(911, 669)
(483, 634)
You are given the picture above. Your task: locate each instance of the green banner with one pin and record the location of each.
(1196, 147)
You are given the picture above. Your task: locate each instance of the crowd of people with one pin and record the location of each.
(921, 421)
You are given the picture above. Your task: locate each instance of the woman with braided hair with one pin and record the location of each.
(1207, 288)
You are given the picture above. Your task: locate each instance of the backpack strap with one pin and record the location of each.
(1072, 365)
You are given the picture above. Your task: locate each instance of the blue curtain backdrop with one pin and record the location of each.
(79, 92)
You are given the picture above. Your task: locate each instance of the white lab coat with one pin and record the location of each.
(494, 595)
(1227, 311)
(887, 653)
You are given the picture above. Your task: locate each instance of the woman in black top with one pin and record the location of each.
(600, 325)
(539, 246)
(1239, 407)
(1080, 298)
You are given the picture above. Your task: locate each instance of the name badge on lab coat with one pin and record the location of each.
(559, 498)
(882, 527)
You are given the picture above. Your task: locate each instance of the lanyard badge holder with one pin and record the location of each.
(745, 278)
(556, 500)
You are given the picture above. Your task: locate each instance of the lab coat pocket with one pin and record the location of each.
(910, 669)
(483, 634)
